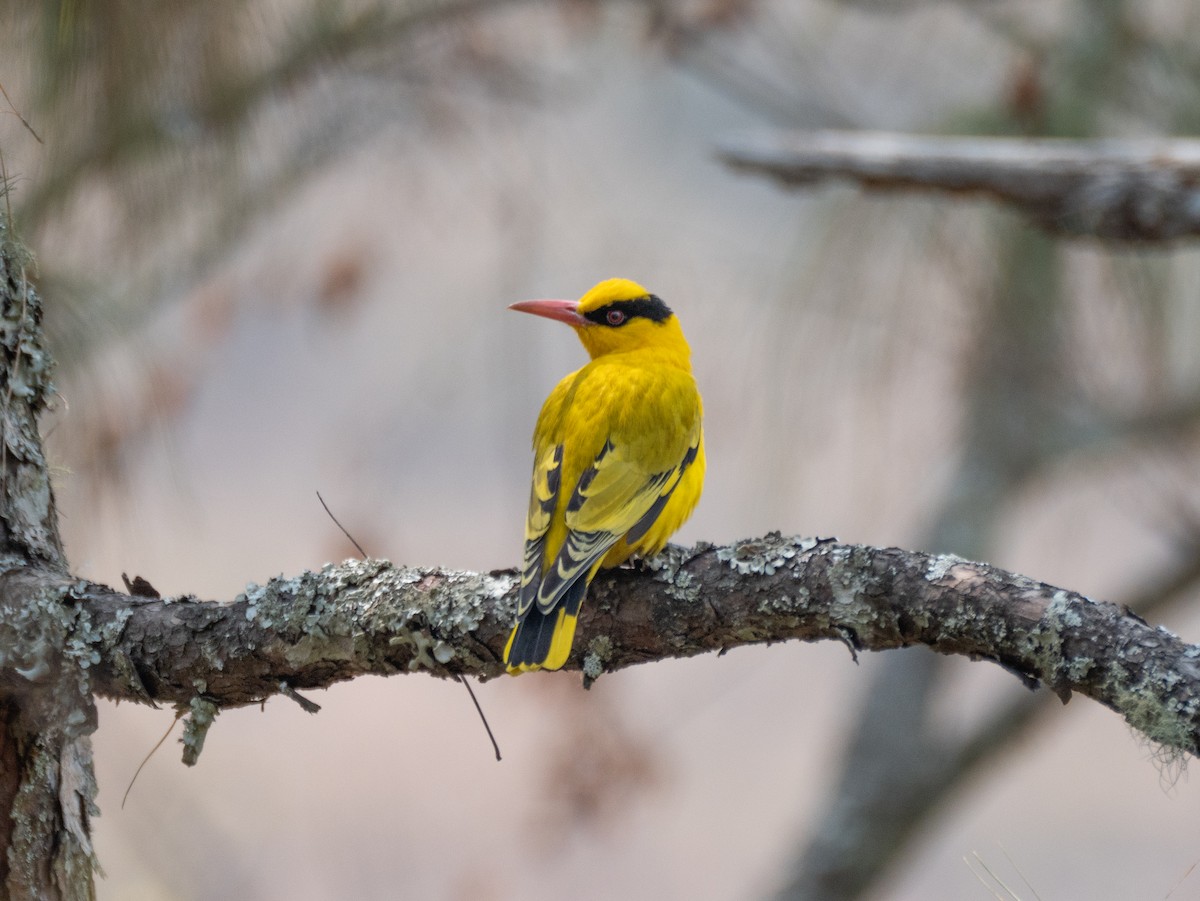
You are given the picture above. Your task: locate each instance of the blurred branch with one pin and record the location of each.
(1173, 421)
(324, 39)
(371, 617)
(1126, 190)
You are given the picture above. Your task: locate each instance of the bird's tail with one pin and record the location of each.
(542, 640)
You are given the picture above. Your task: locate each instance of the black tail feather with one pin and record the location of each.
(535, 632)
(531, 644)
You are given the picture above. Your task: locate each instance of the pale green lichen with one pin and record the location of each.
(940, 565)
(599, 652)
(845, 579)
(420, 644)
(764, 556)
(50, 625)
(253, 596)
(777, 604)
(1043, 643)
(318, 646)
(83, 640)
(1077, 669)
(602, 647)
(458, 605)
(497, 585)
(684, 587)
(1169, 726)
(195, 729)
(593, 667)
(1062, 609)
(666, 562)
(422, 609)
(843, 593)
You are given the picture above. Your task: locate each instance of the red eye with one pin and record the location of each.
(615, 317)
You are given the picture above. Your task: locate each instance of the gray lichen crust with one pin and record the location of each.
(27, 514)
(48, 640)
(370, 616)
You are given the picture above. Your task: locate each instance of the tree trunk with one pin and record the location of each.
(47, 715)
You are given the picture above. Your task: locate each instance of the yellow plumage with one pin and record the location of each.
(618, 460)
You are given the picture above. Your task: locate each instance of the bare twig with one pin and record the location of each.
(16, 112)
(305, 704)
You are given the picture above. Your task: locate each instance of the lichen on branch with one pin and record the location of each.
(373, 617)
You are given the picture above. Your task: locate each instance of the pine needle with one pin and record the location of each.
(1181, 880)
(1009, 895)
(16, 112)
(1012, 863)
(470, 691)
(146, 759)
(357, 546)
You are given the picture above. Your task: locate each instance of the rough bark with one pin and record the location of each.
(363, 617)
(1124, 190)
(47, 713)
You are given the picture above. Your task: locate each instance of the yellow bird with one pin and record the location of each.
(618, 460)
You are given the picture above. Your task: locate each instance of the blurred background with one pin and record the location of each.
(276, 240)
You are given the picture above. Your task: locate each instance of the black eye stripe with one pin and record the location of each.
(649, 307)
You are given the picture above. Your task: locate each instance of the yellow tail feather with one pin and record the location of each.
(560, 644)
(512, 636)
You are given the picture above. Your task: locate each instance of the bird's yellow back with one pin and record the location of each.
(618, 460)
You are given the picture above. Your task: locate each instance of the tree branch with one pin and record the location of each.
(371, 617)
(1126, 190)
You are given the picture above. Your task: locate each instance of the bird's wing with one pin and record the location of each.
(614, 495)
(642, 526)
(543, 496)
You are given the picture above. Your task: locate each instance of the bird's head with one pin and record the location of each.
(617, 315)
